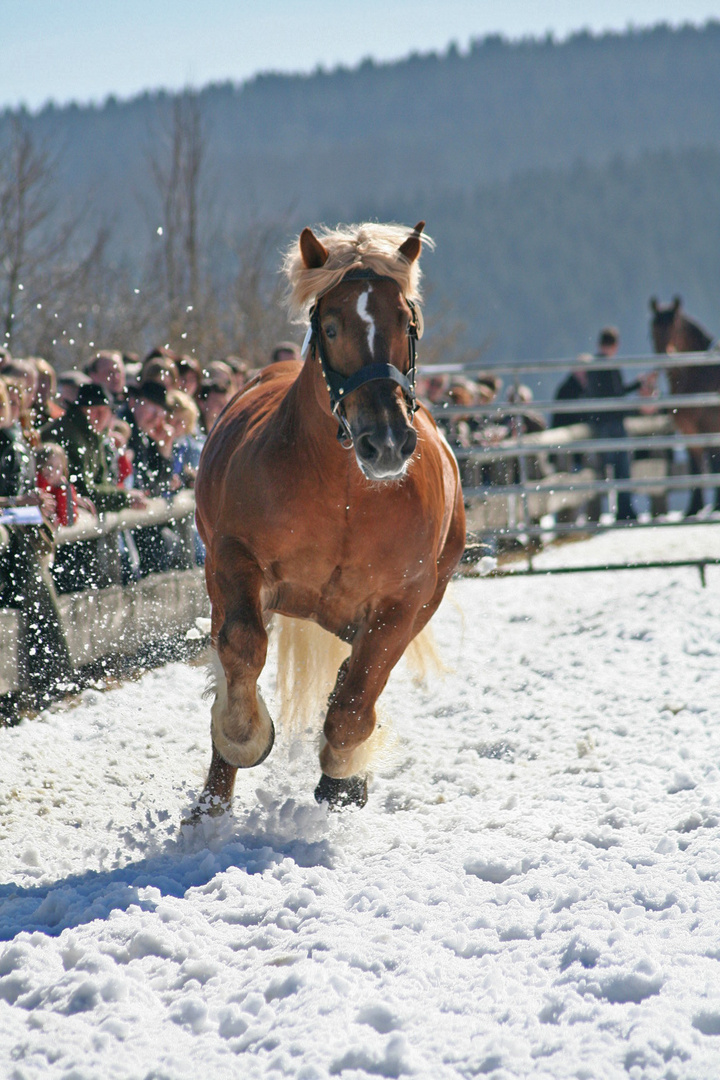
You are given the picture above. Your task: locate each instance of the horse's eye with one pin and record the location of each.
(330, 331)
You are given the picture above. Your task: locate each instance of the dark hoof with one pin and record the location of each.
(351, 791)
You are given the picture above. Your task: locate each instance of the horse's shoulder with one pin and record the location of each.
(270, 379)
(259, 397)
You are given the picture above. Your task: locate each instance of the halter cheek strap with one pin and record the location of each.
(339, 387)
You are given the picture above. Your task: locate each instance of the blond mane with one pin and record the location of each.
(351, 247)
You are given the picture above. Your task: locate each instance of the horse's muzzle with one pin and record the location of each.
(384, 454)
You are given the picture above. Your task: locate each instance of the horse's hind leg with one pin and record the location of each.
(242, 731)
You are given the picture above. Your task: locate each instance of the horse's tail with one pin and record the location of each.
(423, 658)
(308, 660)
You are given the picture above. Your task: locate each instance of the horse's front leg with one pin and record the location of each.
(697, 497)
(350, 719)
(242, 731)
(714, 462)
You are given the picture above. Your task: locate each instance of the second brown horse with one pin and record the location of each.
(673, 331)
(325, 493)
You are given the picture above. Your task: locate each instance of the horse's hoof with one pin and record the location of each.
(268, 748)
(350, 791)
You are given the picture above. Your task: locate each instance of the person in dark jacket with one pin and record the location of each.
(146, 413)
(80, 432)
(159, 547)
(609, 383)
(17, 465)
(573, 388)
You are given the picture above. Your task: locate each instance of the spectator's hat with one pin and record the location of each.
(152, 391)
(189, 363)
(91, 394)
(159, 352)
(212, 386)
(491, 383)
(461, 394)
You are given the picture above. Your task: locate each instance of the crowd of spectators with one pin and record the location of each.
(492, 425)
(122, 431)
(450, 395)
(112, 436)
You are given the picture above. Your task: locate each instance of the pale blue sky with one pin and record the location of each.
(83, 50)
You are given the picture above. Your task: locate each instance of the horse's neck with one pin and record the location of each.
(312, 423)
(692, 338)
(693, 380)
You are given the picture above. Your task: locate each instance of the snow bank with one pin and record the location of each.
(531, 891)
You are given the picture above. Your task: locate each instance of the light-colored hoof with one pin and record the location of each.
(246, 753)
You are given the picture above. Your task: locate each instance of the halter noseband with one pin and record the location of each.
(339, 387)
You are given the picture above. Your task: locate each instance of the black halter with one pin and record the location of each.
(339, 387)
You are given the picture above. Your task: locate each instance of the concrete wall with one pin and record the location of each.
(82, 628)
(117, 621)
(48, 636)
(11, 674)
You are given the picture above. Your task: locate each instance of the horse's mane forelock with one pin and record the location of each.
(351, 247)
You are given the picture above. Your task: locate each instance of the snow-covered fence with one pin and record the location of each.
(47, 638)
(528, 488)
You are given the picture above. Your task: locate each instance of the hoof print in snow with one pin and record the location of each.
(623, 989)
(708, 1023)
(494, 872)
(351, 791)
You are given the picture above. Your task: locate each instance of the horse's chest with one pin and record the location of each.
(333, 564)
(342, 552)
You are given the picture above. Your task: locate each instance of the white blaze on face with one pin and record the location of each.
(362, 310)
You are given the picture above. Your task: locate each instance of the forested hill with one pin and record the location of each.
(562, 181)
(428, 122)
(537, 264)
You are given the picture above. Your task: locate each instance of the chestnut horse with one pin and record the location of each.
(325, 492)
(672, 331)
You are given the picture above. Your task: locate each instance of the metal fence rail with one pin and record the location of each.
(527, 488)
(524, 489)
(670, 402)
(647, 361)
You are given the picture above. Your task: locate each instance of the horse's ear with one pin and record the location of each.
(654, 305)
(411, 247)
(677, 302)
(314, 255)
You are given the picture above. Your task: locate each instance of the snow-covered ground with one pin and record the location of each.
(531, 891)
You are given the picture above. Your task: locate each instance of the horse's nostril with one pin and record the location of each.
(366, 448)
(385, 450)
(409, 444)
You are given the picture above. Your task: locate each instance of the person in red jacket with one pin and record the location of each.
(52, 476)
